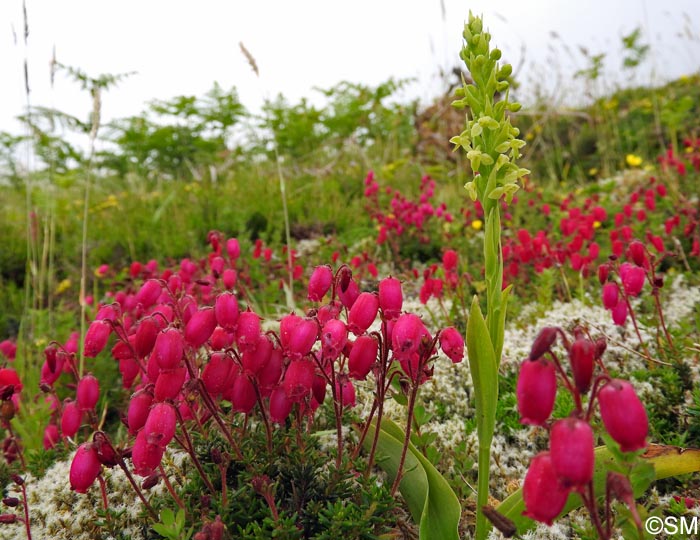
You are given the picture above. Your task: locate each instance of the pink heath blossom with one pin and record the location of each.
(408, 334)
(84, 468)
(51, 436)
(632, 278)
(452, 344)
(543, 494)
(226, 311)
(96, 338)
(363, 312)
(200, 327)
(582, 357)
(137, 413)
(334, 336)
(255, 360)
(619, 313)
(149, 293)
(611, 295)
(247, 330)
(363, 355)
(243, 396)
(169, 383)
(298, 379)
(280, 405)
(536, 391)
(216, 372)
(160, 424)
(168, 350)
(623, 414)
(390, 298)
(71, 418)
(145, 455)
(320, 282)
(571, 445)
(543, 342)
(88, 392)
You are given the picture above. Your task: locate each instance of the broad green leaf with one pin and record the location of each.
(484, 370)
(667, 461)
(430, 499)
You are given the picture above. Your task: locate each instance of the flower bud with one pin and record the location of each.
(96, 338)
(543, 342)
(319, 283)
(390, 298)
(543, 495)
(536, 391)
(603, 273)
(362, 357)
(84, 468)
(623, 415)
(572, 450)
(582, 356)
(363, 312)
(200, 327)
(226, 311)
(452, 344)
(88, 392)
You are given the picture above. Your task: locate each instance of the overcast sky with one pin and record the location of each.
(180, 47)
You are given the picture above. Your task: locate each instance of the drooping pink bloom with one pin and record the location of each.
(319, 283)
(88, 392)
(96, 337)
(582, 357)
(226, 311)
(71, 418)
(571, 446)
(362, 357)
(200, 327)
(363, 312)
(168, 349)
(160, 424)
(543, 494)
(623, 415)
(408, 334)
(84, 468)
(452, 344)
(390, 298)
(536, 391)
(137, 413)
(632, 278)
(611, 295)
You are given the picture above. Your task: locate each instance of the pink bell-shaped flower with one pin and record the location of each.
(334, 336)
(572, 450)
(319, 283)
(88, 392)
(84, 468)
(623, 415)
(168, 349)
(137, 413)
(362, 313)
(362, 357)
(390, 298)
(226, 311)
(582, 357)
(543, 494)
(611, 295)
(96, 338)
(200, 327)
(536, 391)
(452, 344)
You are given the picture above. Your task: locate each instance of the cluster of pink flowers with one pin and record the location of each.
(568, 465)
(404, 216)
(184, 343)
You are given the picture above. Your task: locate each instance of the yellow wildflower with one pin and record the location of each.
(63, 286)
(633, 161)
(597, 224)
(477, 224)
